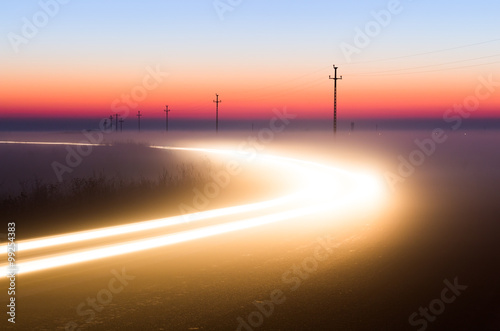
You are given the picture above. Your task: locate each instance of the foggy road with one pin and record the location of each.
(296, 261)
(323, 185)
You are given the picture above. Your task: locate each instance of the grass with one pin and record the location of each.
(79, 202)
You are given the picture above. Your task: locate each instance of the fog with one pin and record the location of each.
(421, 170)
(438, 220)
(461, 161)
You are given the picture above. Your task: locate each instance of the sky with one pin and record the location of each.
(398, 59)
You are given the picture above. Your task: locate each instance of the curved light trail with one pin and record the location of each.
(320, 191)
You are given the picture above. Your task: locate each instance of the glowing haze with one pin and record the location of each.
(420, 60)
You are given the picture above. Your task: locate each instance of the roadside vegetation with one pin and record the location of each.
(131, 186)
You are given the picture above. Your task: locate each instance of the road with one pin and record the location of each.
(294, 262)
(49, 265)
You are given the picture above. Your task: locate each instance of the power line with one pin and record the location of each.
(427, 71)
(293, 89)
(427, 66)
(426, 53)
(288, 81)
(310, 84)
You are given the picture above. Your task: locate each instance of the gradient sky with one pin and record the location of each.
(262, 55)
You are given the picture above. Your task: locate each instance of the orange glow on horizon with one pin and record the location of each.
(44, 94)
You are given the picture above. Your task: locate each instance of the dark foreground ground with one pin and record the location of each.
(442, 224)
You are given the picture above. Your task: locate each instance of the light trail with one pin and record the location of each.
(49, 143)
(320, 185)
(160, 241)
(79, 236)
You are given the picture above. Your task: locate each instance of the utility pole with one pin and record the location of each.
(116, 122)
(121, 124)
(335, 78)
(166, 110)
(217, 101)
(111, 122)
(139, 119)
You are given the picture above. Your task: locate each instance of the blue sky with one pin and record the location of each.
(258, 43)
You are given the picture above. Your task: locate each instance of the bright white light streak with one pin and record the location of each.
(321, 181)
(56, 240)
(49, 143)
(146, 225)
(166, 240)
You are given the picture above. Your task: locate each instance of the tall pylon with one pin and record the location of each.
(166, 110)
(116, 122)
(217, 101)
(139, 115)
(111, 122)
(121, 124)
(335, 78)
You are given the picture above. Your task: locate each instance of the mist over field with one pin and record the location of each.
(467, 156)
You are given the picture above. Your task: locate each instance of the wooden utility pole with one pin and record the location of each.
(217, 101)
(335, 78)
